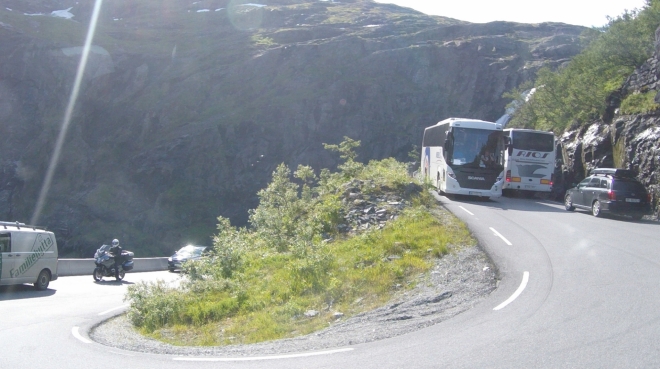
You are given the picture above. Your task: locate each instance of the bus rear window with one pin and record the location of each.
(533, 141)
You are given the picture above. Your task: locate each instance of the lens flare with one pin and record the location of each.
(245, 16)
(67, 115)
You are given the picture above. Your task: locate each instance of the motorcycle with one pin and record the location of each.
(105, 263)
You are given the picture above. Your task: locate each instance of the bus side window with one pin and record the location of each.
(5, 242)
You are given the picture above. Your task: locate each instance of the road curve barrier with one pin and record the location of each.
(68, 267)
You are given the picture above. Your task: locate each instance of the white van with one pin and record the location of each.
(28, 254)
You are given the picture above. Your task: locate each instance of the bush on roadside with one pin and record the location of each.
(260, 283)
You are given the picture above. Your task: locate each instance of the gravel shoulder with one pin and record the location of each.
(458, 281)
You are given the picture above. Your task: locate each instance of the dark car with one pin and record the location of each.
(189, 252)
(610, 191)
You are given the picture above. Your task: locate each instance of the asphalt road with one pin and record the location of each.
(575, 292)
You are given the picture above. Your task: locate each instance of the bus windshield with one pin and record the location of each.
(476, 148)
(533, 141)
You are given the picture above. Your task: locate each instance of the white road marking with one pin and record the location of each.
(515, 294)
(113, 309)
(255, 358)
(466, 210)
(500, 236)
(77, 334)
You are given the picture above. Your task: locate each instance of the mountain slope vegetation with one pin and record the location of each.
(587, 88)
(300, 266)
(187, 108)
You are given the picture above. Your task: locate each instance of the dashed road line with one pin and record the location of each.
(76, 333)
(515, 295)
(256, 358)
(500, 236)
(466, 210)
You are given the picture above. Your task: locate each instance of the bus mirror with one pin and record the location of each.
(447, 147)
(508, 145)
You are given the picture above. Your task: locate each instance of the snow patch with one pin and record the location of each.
(203, 10)
(62, 13)
(77, 50)
(651, 133)
(219, 9)
(253, 4)
(593, 135)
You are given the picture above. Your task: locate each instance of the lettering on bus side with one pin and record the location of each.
(41, 245)
(532, 154)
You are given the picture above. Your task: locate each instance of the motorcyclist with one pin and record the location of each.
(115, 251)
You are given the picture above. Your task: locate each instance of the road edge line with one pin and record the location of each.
(515, 295)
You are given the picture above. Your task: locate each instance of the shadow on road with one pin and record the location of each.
(506, 203)
(112, 282)
(535, 204)
(23, 291)
(646, 220)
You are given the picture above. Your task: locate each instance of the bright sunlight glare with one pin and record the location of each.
(588, 13)
(67, 115)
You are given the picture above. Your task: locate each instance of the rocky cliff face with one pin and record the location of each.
(622, 141)
(186, 108)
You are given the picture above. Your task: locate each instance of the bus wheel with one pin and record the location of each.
(42, 280)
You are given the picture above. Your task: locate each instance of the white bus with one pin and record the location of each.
(464, 157)
(529, 161)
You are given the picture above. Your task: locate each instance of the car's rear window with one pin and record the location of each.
(627, 186)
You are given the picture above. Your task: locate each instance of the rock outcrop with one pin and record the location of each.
(186, 109)
(622, 141)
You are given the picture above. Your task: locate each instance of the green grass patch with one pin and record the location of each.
(275, 290)
(641, 103)
(292, 270)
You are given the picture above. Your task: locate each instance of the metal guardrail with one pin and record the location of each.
(69, 267)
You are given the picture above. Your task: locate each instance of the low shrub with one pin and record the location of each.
(261, 283)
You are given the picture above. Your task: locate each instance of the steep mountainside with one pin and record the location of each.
(630, 141)
(187, 107)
